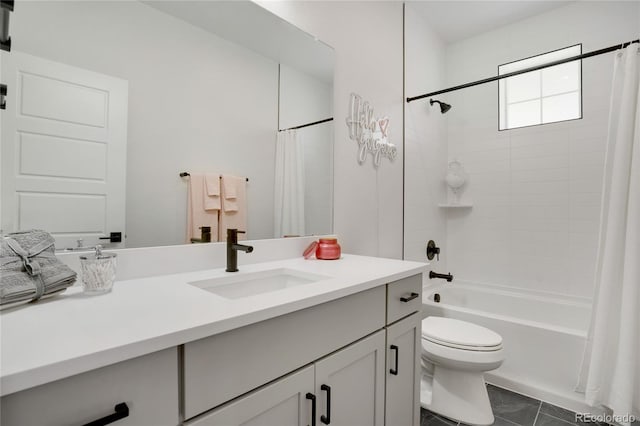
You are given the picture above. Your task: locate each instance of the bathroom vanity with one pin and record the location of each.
(328, 342)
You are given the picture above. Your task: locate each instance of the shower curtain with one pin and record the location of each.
(610, 374)
(289, 185)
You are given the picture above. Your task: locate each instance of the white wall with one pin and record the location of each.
(305, 99)
(196, 103)
(425, 142)
(367, 38)
(536, 191)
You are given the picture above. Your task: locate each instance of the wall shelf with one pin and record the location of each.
(455, 206)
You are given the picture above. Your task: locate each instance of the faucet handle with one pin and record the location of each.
(432, 250)
(232, 234)
(235, 231)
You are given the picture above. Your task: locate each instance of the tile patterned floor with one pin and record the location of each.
(512, 409)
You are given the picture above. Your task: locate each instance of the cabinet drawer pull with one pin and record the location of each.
(327, 419)
(312, 397)
(408, 299)
(121, 411)
(394, 370)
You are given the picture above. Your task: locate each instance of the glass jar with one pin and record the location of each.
(328, 249)
(98, 271)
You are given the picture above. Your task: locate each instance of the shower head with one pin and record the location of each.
(443, 107)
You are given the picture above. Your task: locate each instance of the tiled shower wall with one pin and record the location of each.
(535, 191)
(425, 142)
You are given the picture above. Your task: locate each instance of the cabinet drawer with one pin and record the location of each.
(401, 299)
(148, 385)
(222, 367)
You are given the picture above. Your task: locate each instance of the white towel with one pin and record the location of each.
(211, 191)
(234, 206)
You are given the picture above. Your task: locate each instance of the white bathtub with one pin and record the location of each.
(543, 336)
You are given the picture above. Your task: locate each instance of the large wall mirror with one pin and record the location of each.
(108, 102)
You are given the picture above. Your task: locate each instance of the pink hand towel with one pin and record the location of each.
(211, 191)
(230, 189)
(197, 216)
(231, 186)
(234, 206)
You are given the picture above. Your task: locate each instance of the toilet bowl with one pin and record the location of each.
(455, 355)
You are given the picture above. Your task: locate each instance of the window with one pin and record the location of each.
(544, 96)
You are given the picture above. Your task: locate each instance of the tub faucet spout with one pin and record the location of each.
(232, 249)
(447, 277)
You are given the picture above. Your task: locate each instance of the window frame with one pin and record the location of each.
(542, 97)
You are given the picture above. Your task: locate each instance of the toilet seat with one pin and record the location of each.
(458, 334)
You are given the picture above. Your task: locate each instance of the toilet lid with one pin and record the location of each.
(460, 334)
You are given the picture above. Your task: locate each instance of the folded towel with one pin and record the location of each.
(234, 210)
(197, 215)
(212, 182)
(233, 190)
(211, 191)
(230, 184)
(29, 268)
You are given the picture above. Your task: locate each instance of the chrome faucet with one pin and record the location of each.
(79, 247)
(232, 249)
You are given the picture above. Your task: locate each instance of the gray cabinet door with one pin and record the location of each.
(403, 372)
(281, 403)
(350, 384)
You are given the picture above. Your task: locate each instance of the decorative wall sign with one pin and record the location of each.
(371, 133)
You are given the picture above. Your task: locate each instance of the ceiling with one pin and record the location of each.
(457, 20)
(250, 25)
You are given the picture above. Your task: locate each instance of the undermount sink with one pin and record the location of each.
(252, 283)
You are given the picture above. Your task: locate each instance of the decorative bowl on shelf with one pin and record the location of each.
(456, 178)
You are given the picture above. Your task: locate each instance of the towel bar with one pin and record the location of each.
(185, 174)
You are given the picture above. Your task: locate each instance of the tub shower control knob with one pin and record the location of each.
(432, 250)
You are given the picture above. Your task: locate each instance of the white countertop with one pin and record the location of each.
(73, 333)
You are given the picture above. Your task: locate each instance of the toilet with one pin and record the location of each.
(455, 355)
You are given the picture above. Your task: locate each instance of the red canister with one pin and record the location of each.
(328, 249)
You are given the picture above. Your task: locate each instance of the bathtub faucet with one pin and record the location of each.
(447, 277)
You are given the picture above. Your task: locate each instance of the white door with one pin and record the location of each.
(64, 143)
(403, 372)
(350, 384)
(282, 403)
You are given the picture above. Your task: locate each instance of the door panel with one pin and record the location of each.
(355, 380)
(86, 216)
(42, 155)
(64, 136)
(282, 403)
(53, 99)
(403, 388)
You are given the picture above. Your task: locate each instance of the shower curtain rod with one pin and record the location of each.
(307, 125)
(525, 70)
